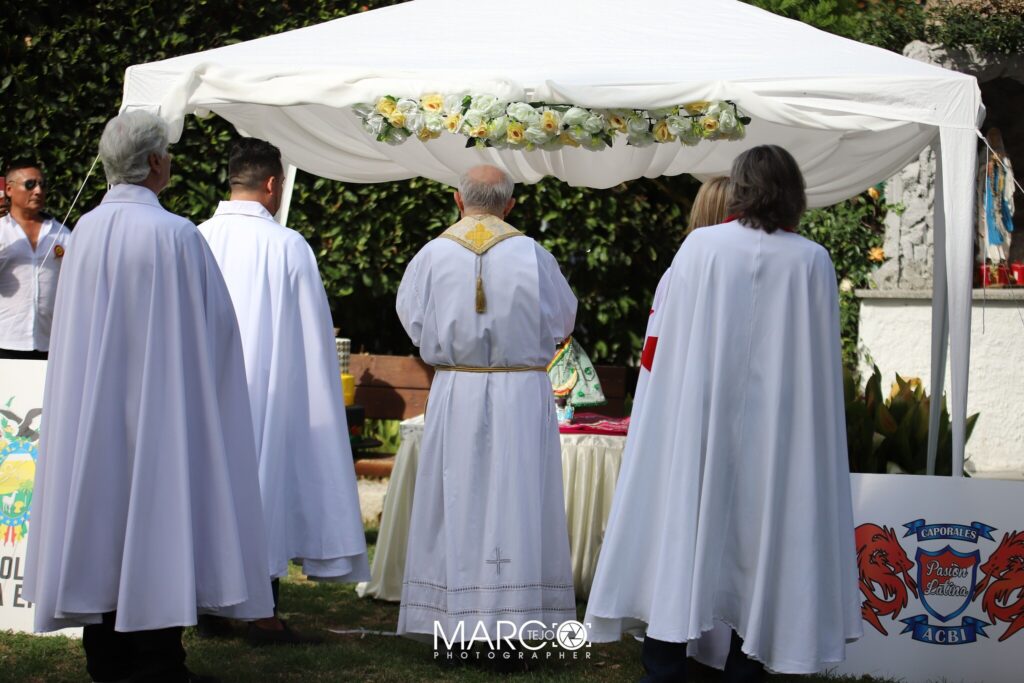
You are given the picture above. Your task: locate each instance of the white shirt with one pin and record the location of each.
(28, 283)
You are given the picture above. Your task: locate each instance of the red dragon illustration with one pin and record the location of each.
(1004, 576)
(880, 561)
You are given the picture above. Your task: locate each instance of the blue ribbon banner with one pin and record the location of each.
(967, 632)
(952, 532)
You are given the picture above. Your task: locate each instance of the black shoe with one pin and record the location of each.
(210, 626)
(283, 636)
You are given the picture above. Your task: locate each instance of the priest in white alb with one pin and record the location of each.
(732, 511)
(488, 541)
(306, 471)
(146, 508)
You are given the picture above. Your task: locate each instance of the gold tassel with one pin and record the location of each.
(481, 300)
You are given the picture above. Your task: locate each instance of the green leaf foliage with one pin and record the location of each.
(62, 77)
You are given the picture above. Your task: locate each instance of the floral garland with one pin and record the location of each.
(487, 121)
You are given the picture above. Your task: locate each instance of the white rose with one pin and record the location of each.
(637, 125)
(689, 137)
(374, 124)
(434, 122)
(396, 136)
(678, 124)
(453, 104)
(717, 107)
(363, 110)
(490, 105)
(407, 106)
(580, 135)
(524, 113)
(414, 122)
(727, 121)
(473, 118)
(576, 116)
(845, 285)
(640, 139)
(594, 124)
(497, 128)
(663, 112)
(536, 135)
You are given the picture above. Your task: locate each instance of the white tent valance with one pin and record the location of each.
(851, 114)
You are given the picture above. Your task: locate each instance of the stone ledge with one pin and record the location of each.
(988, 294)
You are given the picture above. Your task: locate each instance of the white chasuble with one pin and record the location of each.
(488, 540)
(733, 504)
(146, 496)
(307, 476)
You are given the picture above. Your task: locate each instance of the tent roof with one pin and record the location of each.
(851, 114)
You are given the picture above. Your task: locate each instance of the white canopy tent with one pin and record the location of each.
(852, 115)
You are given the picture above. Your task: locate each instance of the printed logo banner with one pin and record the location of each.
(941, 578)
(21, 401)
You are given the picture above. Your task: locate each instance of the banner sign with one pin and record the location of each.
(941, 575)
(21, 401)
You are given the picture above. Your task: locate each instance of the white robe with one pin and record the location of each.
(733, 503)
(146, 496)
(488, 539)
(307, 476)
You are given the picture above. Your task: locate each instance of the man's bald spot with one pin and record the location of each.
(486, 174)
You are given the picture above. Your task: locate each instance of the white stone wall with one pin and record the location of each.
(895, 334)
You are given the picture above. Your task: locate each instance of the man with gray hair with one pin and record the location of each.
(488, 545)
(146, 508)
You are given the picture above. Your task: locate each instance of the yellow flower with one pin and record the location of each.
(710, 125)
(432, 102)
(385, 106)
(617, 122)
(877, 254)
(515, 134)
(662, 132)
(452, 121)
(873, 193)
(694, 108)
(479, 132)
(549, 122)
(397, 119)
(566, 139)
(426, 134)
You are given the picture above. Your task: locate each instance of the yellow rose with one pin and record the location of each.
(662, 132)
(549, 122)
(515, 134)
(876, 254)
(452, 121)
(426, 134)
(566, 139)
(479, 132)
(709, 124)
(695, 108)
(385, 106)
(873, 193)
(397, 119)
(617, 122)
(432, 102)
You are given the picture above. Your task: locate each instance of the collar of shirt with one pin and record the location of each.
(11, 231)
(243, 207)
(131, 194)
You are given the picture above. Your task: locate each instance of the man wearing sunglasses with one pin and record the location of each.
(32, 247)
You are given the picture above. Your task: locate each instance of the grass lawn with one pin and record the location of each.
(317, 607)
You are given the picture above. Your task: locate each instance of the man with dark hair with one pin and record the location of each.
(32, 247)
(307, 476)
(733, 512)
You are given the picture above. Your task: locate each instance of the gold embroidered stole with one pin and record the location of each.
(479, 234)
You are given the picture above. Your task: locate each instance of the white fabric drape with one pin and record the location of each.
(852, 115)
(307, 477)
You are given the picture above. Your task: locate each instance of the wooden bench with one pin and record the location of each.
(396, 388)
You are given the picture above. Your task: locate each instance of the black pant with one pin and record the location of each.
(138, 656)
(666, 663)
(10, 354)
